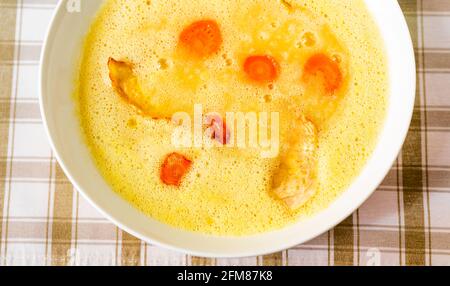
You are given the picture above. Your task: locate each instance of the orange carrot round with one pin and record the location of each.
(174, 168)
(202, 38)
(324, 68)
(261, 68)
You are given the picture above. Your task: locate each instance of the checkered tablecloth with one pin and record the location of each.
(44, 221)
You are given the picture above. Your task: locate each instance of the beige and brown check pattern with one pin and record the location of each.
(43, 221)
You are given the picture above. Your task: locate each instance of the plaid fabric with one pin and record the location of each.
(43, 221)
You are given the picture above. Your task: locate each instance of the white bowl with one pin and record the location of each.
(63, 48)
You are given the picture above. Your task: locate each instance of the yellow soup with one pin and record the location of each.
(318, 64)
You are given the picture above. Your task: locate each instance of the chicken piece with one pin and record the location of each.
(294, 181)
(126, 83)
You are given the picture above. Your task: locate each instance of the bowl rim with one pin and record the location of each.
(45, 55)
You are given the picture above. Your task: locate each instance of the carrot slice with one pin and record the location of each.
(323, 67)
(174, 168)
(220, 131)
(261, 68)
(202, 38)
